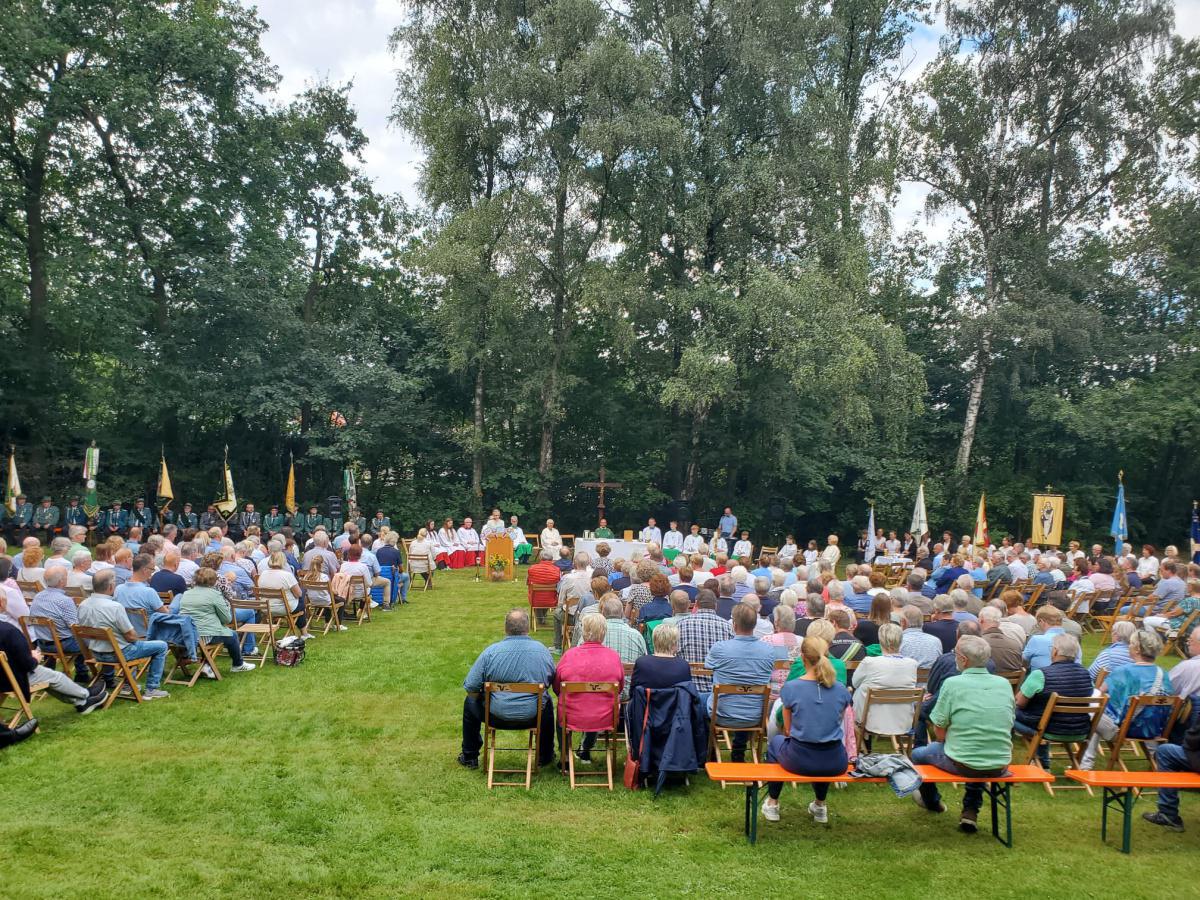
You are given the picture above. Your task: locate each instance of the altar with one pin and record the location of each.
(620, 549)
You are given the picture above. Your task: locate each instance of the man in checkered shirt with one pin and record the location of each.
(698, 632)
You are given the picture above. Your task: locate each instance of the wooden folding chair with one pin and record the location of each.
(358, 598)
(192, 668)
(419, 565)
(541, 597)
(1035, 595)
(608, 735)
(58, 654)
(166, 597)
(902, 743)
(489, 733)
(127, 671)
(75, 593)
(1016, 678)
(1139, 745)
(140, 621)
(1114, 614)
(757, 729)
(319, 598)
(286, 618)
(29, 589)
(1175, 636)
(262, 627)
(14, 707)
(1072, 744)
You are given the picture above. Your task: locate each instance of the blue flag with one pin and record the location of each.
(1120, 526)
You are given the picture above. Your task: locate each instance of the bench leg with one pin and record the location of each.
(1001, 796)
(1123, 799)
(751, 828)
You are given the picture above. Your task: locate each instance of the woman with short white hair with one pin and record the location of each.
(665, 668)
(887, 671)
(784, 619)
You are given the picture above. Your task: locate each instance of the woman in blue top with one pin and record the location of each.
(813, 707)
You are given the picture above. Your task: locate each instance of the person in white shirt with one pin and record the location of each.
(275, 545)
(522, 549)
(550, 539)
(188, 551)
(1147, 566)
(468, 539)
(450, 551)
(652, 534)
(892, 544)
(743, 547)
(494, 527)
(832, 552)
(353, 565)
(789, 549)
(1019, 567)
(693, 542)
(673, 539)
(421, 554)
(1073, 553)
(811, 554)
(278, 576)
(890, 670)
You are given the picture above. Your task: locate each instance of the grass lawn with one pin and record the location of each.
(338, 779)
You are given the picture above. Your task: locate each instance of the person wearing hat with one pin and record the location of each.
(113, 521)
(45, 520)
(310, 522)
(245, 520)
(187, 519)
(273, 521)
(20, 521)
(212, 518)
(74, 515)
(359, 520)
(380, 522)
(142, 517)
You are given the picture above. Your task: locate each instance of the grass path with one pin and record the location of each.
(338, 779)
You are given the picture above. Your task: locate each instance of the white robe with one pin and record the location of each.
(673, 540)
(649, 534)
(743, 548)
(788, 551)
(550, 539)
(692, 543)
(468, 539)
(446, 541)
(492, 527)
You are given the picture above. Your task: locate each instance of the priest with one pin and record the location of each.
(651, 534)
(603, 532)
(472, 546)
(522, 549)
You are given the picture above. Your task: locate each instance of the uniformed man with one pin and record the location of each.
(247, 519)
(379, 522)
(359, 520)
(212, 518)
(21, 521)
(45, 520)
(113, 521)
(310, 522)
(74, 515)
(187, 519)
(274, 521)
(142, 517)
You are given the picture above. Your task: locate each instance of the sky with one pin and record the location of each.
(346, 41)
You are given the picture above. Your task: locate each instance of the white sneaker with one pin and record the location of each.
(374, 605)
(819, 812)
(343, 628)
(307, 637)
(770, 810)
(207, 672)
(244, 667)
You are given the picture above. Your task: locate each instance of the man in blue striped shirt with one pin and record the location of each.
(517, 658)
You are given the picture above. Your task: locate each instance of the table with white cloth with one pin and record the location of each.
(620, 549)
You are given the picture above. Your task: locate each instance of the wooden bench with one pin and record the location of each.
(999, 789)
(1119, 792)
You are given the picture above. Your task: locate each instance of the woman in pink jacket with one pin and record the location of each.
(590, 661)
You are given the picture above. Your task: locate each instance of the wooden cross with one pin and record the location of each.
(601, 485)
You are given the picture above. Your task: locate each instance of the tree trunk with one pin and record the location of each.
(477, 450)
(963, 462)
(35, 252)
(693, 467)
(558, 338)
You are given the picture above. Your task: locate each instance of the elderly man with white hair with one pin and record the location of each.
(888, 671)
(58, 554)
(77, 534)
(973, 720)
(1064, 677)
(188, 552)
(81, 564)
(320, 547)
(53, 604)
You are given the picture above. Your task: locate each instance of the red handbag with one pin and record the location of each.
(633, 764)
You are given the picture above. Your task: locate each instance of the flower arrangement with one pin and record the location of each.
(498, 563)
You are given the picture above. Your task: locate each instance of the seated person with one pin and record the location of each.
(1184, 757)
(27, 666)
(516, 658)
(167, 580)
(61, 610)
(659, 606)
(1006, 646)
(589, 661)
(665, 668)
(136, 594)
(1116, 654)
(1037, 649)
(1065, 677)
(1179, 612)
(973, 721)
(212, 615)
(942, 625)
(278, 576)
(917, 643)
(100, 610)
(742, 660)
(888, 671)
(1185, 677)
(962, 601)
(1141, 676)
(811, 744)
(844, 646)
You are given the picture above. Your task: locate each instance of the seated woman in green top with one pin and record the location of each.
(212, 615)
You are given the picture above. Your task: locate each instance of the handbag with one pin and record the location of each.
(289, 652)
(633, 764)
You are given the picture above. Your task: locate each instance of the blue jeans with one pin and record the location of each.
(69, 645)
(1025, 729)
(403, 579)
(935, 755)
(242, 616)
(155, 651)
(1170, 758)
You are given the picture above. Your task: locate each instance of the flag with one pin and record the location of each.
(350, 492)
(981, 529)
(920, 521)
(91, 468)
(289, 496)
(227, 505)
(872, 547)
(165, 491)
(12, 487)
(1119, 529)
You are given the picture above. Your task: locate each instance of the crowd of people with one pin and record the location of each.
(157, 591)
(821, 641)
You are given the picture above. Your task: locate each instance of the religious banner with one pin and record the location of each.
(1047, 520)
(12, 487)
(91, 468)
(289, 495)
(227, 504)
(166, 493)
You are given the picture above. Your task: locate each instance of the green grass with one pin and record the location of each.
(338, 779)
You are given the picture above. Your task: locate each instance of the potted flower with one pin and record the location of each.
(498, 566)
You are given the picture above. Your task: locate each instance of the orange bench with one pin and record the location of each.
(1119, 790)
(999, 789)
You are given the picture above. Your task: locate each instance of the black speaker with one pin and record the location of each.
(334, 505)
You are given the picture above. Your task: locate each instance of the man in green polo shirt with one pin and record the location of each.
(973, 719)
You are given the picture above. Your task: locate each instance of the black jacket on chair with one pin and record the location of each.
(676, 738)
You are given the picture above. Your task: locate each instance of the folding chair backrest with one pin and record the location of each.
(610, 688)
(29, 589)
(35, 626)
(75, 593)
(511, 687)
(357, 588)
(316, 592)
(894, 697)
(1092, 707)
(11, 716)
(542, 596)
(742, 690)
(1143, 703)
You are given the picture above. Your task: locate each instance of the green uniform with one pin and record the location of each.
(360, 522)
(24, 515)
(188, 520)
(310, 522)
(378, 523)
(274, 522)
(334, 525)
(46, 517)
